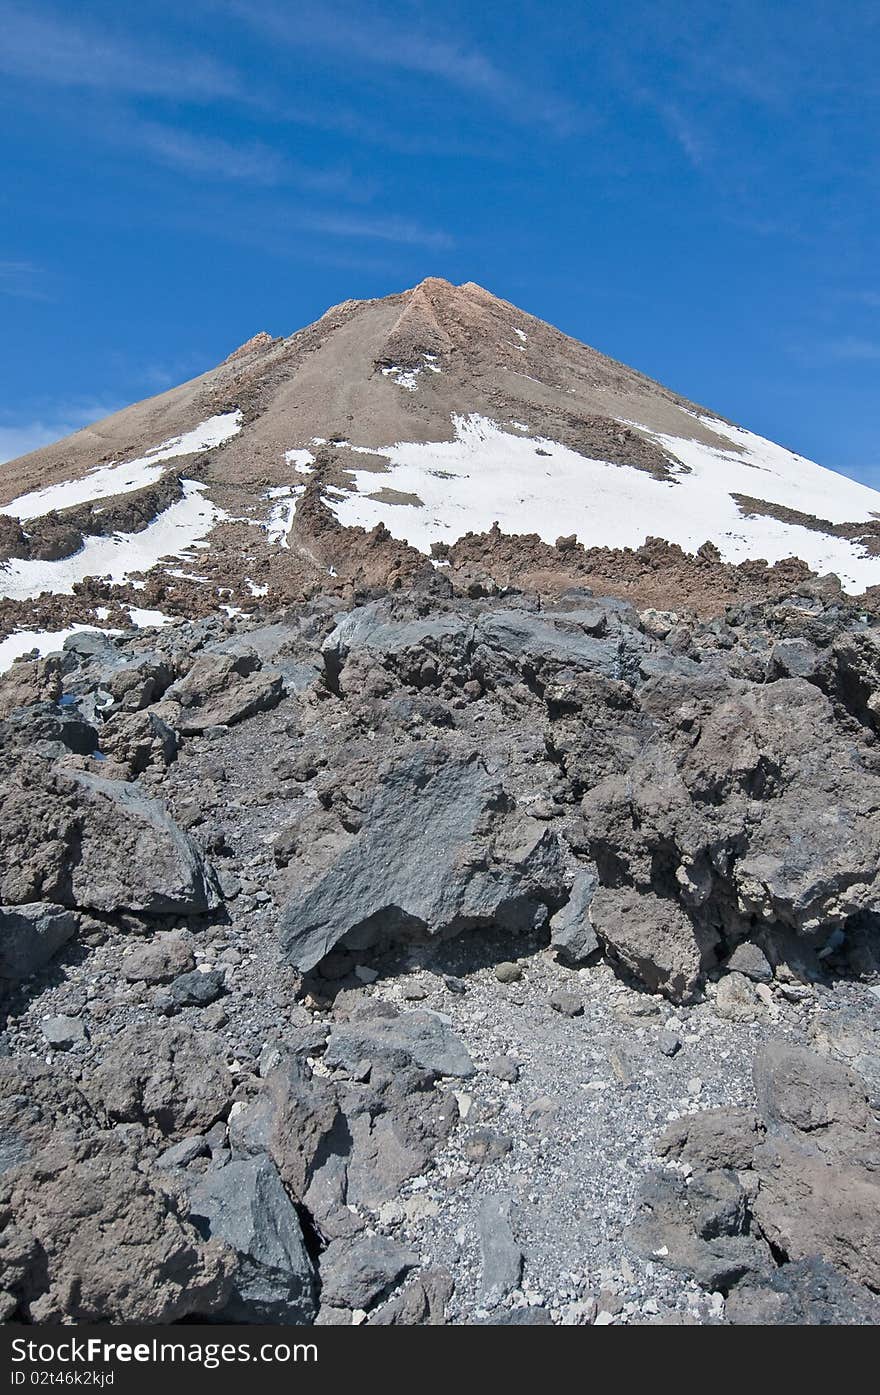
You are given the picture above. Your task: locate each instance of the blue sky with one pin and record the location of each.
(690, 187)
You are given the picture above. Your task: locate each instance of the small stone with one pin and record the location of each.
(567, 1003)
(455, 985)
(420, 1208)
(669, 1043)
(198, 989)
(622, 1067)
(164, 959)
(183, 1153)
(507, 972)
(413, 992)
(62, 1032)
(464, 1102)
(487, 1146)
(215, 1017)
(365, 974)
(736, 999)
(749, 960)
(502, 1258)
(503, 1068)
(542, 1111)
(580, 1314)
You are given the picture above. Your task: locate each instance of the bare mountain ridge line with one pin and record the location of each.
(254, 374)
(388, 437)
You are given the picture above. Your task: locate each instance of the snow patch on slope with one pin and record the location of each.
(408, 377)
(108, 480)
(44, 641)
(486, 474)
(182, 525)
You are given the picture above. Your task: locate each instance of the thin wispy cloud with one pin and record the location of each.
(213, 157)
(853, 348)
(685, 133)
(22, 280)
(379, 44)
(47, 48)
(402, 231)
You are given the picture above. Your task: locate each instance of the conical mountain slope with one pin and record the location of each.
(433, 413)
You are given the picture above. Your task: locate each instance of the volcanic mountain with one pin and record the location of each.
(440, 430)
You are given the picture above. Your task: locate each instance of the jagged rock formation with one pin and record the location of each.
(257, 879)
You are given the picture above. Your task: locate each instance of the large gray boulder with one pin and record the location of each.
(132, 856)
(221, 690)
(245, 1205)
(78, 840)
(441, 851)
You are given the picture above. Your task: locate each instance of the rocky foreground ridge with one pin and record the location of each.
(445, 958)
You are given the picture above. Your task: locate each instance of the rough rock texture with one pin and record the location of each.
(489, 888)
(95, 844)
(31, 935)
(478, 863)
(245, 1205)
(793, 1184)
(88, 1233)
(168, 1077)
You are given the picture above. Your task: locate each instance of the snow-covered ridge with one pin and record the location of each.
(108, 480)
(181, 526)
(486, 474)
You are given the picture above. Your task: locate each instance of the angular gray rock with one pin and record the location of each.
(748, 959)
(440, 852)
(571, 930)
(134, 857)
(409, 1038)
(31, 935)
(63, 1032)
(160, 961)
(183, 1153)
(198, 989)
(501, 1256)
(220, 690)
(244, 1204)
(358, 1273)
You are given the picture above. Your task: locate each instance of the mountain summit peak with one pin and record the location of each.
(376, 441)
